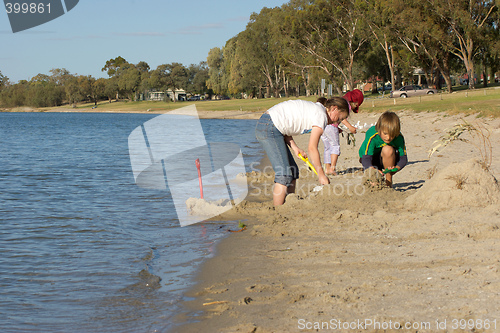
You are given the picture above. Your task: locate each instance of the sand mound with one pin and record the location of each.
(373, 179)
(466, 184)
(202, 207)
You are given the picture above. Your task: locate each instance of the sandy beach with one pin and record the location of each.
(421, 257)
(235, 114)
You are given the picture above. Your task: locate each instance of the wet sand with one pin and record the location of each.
(235, 114)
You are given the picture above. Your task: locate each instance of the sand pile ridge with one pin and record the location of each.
(464, 184)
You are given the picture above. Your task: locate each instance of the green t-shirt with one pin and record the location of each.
(373, 143)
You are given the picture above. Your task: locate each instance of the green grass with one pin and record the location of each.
(485, 102)
(249, 105)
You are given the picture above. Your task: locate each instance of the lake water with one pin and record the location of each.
(82, 247)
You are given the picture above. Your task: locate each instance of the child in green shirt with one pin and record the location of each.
(384, 147)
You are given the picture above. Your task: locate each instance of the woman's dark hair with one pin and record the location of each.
(339, 102)
(322, 100)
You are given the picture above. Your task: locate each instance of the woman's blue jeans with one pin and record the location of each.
(273, 142)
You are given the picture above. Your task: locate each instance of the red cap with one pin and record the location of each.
(355, 96)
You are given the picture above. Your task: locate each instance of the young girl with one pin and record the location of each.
(276, 128)
(330, 136)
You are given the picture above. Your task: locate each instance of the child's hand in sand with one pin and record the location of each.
(323, 180)
(373, 177)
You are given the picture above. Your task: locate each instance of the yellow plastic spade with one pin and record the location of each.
(305, 159)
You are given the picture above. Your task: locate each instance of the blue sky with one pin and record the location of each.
(155, 31)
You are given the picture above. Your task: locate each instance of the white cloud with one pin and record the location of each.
(140, 34)
(199, 29)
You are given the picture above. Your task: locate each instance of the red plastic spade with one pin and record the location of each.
(198, 166)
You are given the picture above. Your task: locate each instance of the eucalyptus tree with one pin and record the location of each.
(489, 46)
(169, 76)
(372, 65)
(197, 78)
(216, 71)
(379, 16)
(94, 89)
(428, 40)
(43, 92)
(111, 88)
(242, 73)
(85, 87)
(113, 65)
(99, 88)
(79, 88)
(145, 73)
(179, 76)
(113, 68)
(303, 76)
(492, 61)
(233, 77)
(59, 75)
(467, 22)
(296, 65)
(333, 32)
(15, 94)
(129, 80)
(301, 65)
(142, 66)
(4, 81)
(72, 90)
(40, 78)
(258, 49)
(157, 78)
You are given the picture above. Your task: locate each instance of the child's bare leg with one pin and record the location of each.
(388, 155)
(333, 166)
(388, 180)
(328, 168)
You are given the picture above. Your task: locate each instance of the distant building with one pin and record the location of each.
(178, 94)
(155, 96)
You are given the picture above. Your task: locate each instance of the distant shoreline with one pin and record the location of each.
(480, 102)
(236, 114)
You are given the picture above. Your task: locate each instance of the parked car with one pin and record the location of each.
(413, 90)
(386, 87)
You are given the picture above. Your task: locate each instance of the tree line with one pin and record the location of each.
(125, 80)
(287, 50)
